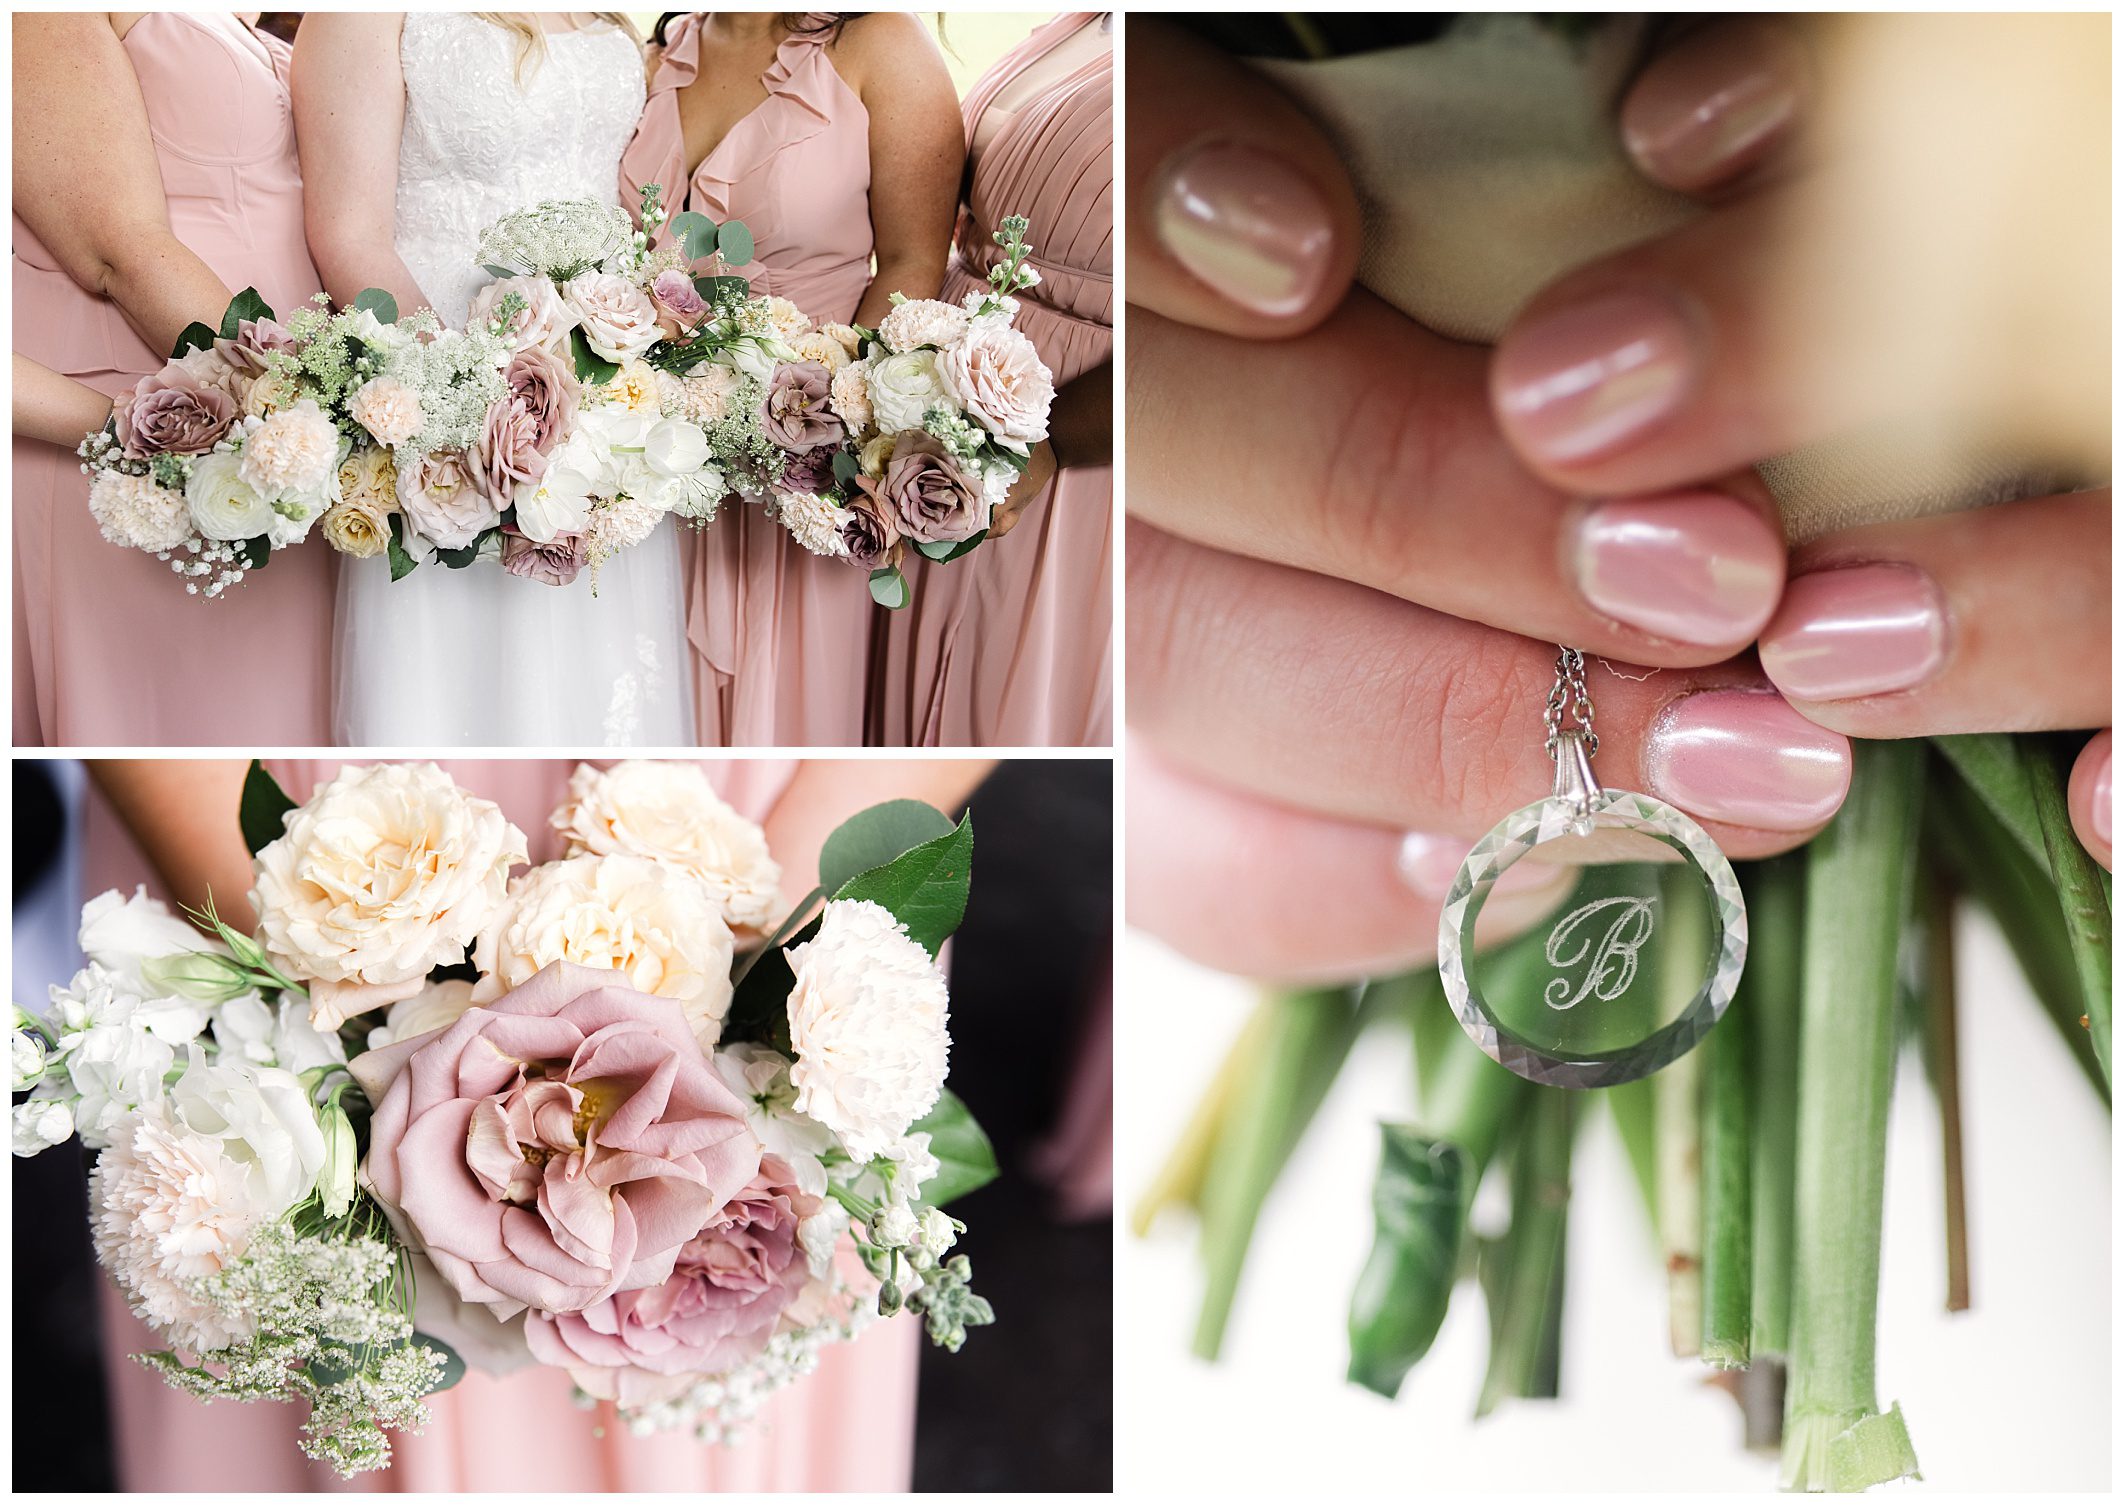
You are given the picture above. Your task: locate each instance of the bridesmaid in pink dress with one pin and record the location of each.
(1013, 645)
(847, 1426)
(845, 147)
(155, 176)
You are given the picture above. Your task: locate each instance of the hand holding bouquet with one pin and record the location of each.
(590, 1115)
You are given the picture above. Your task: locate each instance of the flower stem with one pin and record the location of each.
(1677, 1099)
(1943, 1067)
(1527, 1264)
(1994, 771)
(1729, 1231)
(1770, 991)
(2078, 877)
(1858, 882)
(1179, 1180)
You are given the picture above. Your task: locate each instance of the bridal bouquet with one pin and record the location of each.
(592, 1114)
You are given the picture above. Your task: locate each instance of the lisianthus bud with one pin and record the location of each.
(200, 976)
(335, 1182)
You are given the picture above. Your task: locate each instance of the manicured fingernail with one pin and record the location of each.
(1247, 223)
(1866, 630)
(1590, 378)
(2103, 810)
(1715, 104)
(1703, 568)
(1747, 758)
(1427, 864)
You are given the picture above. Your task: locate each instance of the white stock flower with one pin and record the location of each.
(921, 321)
(120, 933)
(380, 338)
(813, 521)
(894, 1227)
(939, 1231)
(387, 873)
(135, 512)
(247, 1028)
(903, 388)
(656, 927)
(224, 506)
(820, 1234)
(670, 813)
(294, 451)
(760, 1077)
(25, 1062)
(117, 1045)
(617, 318)
(867, 1017)
(41, 1123)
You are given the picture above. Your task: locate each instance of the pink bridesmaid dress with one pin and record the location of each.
(109, 650)
(781, 638)
(847, 1426)
(1013, 645)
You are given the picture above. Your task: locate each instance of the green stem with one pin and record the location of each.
(1858, 882)
(1677, 1098)
(1308, 1039)
(1993, 769)
(1943, 1069)
(1179, 1180)
(2081, 897)
(1770, 991)
(1532, 1251)
(1728, 1220)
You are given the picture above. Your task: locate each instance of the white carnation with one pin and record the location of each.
(388, 409)
(295, 451)
(136, 513)
(922, 321)
(867, 1018)
(814, 521)
(670, 813)
(850, 397)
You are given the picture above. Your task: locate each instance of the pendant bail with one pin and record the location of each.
(1574, 778)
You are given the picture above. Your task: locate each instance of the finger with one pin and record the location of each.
(1345, 702)
(1262, 890)
(1241, 217)
(1386, 468)
(1989, 621)
(2091, 800)
(1714, 111)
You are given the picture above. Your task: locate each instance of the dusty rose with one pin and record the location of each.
(931, 498)
(255, 340)
(811, 471)
(544, 319)
(679, 304)
(995, 374)
(557, 1146)
(618, 318)
(796, 415)
(723, 1301)
(555, 563)
(210, 370)
(527, 424)
(172, 413)
(442, 500)
(868, 531)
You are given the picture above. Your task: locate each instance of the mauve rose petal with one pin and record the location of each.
(580, 1215)
(446, 1202)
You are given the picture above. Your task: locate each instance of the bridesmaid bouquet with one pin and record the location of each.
(592, 1115)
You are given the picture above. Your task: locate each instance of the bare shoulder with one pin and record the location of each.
(347, 30)
(886, 44)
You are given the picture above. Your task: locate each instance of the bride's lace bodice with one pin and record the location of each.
(477, 144)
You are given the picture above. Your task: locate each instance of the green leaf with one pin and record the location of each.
(874, 837)
(845, 468)
(1019, 463)
(888, 587)
(377, 302)
(257, 551)
(196, 336)
(2078, 881)
(402, 563)
(925, 888)
(727, 287)
(966, 1161)
(263, 809)
(589, 365)
(457, 559)
(245, 305)
(494, 271)
(1420, 1204)
(735, 242)
(695, 233)
(453, 1366)
(949, 549)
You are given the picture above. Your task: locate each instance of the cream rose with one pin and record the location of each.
(657, 927)
(670, 813)
(618, 319)
(387, 873)
(224, 506)
(995, 374)
(903, 388)
(357, 527)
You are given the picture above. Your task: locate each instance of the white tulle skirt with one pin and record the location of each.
(479, 658)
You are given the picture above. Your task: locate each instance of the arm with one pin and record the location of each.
(182, 811)
(87, 181)
(55, 408)
(917, 153)
(350, 108)
(826, 791)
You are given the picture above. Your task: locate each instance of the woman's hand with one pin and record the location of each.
(350, 110)
(917, 153)
(1039, 471)
(55, 408)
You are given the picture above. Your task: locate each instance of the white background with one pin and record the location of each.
(2014, 1395)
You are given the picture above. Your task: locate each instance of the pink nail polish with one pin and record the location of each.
(1715, 104)
(1248, 224)
(1702, 568)
(1747, 758)
(1428, 864)
(1594, 377)
(1866, 630)
(2104, 810)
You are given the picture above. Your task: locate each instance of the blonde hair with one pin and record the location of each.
(530, 37)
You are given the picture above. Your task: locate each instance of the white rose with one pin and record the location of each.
(669, 812)
(655, 926)
(387, 873)
(995, 375)
(223, 505)
(544, 320)
(922, 321)
(135, 512)
(41, 1123)
(903, 388)
(675, 448)
(867, 1017)
(618, 319)
(119, 933)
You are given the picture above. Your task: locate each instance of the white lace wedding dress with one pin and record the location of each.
(476, 657)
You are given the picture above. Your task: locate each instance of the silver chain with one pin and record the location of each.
(1570, 695)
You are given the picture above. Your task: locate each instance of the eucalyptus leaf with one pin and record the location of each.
(966, 1161)
(245, 305)
(874, 837)
(925, 888)
(377, 302)
(263, 810)
(888, 587)
(589, 365)
(949, 549)
(196, 336)
(695, 232)
(494, 271)
(735, 242)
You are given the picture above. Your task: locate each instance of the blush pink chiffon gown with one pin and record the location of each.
(1013, 644)
(781, 638)
(847, 1426)
(109, 650)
